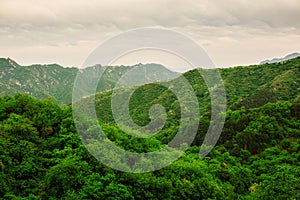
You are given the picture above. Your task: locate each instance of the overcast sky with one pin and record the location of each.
(232, 32)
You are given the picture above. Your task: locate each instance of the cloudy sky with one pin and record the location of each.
(232, 32)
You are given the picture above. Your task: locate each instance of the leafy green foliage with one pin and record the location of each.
(37, 165)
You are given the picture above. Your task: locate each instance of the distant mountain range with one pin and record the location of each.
(276, 60)
(43, 81)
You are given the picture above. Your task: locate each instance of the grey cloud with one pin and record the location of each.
(126, 14)
(64, 22)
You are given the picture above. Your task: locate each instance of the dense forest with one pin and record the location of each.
(257, 155)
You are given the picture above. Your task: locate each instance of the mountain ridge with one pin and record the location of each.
(53, 80)
(276, 60)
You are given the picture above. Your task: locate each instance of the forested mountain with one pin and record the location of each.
(40, 81)
(43, 81)
(256, 157)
